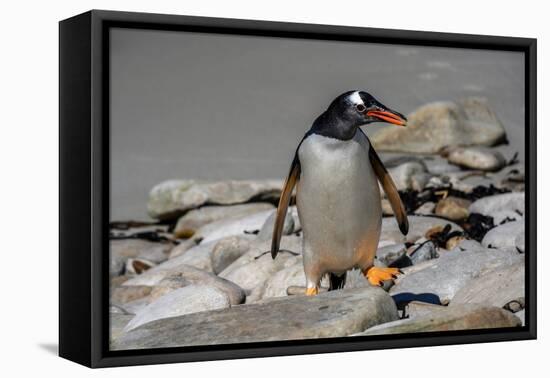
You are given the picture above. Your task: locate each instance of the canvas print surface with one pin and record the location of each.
(266, 189)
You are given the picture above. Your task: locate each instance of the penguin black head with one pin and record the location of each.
(351, 110)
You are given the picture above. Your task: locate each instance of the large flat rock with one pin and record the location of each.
(170, 199)
(332, 314)
(446, 275)
(450, 319)
(436, 125)
(194, 219)
(495, 288)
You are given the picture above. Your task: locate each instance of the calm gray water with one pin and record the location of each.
(189, 105)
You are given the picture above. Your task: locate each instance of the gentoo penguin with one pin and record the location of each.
(335, 170)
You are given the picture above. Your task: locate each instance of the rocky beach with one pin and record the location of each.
(201, 273)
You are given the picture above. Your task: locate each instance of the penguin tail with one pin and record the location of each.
(336, 282)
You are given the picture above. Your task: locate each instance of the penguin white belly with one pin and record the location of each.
(338, 200)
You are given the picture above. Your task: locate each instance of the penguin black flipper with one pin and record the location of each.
(390, 189)
(284, 201)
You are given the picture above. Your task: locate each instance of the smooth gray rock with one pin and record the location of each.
(208, 255)
(503, 236)
(167, 285)
(227, 250)
(266, 232)
(169, 199)
(390, 253)
(199, 256)
(122, 250)
(477, 158)
(410, 175)
(256, 266)
(468, 245)
(189, 275)
(189, 223)
(334, 314)
(441, 124)
(418, 225)
(187, 300)
(495, 288)
(255, 273)
(449, 273)
(277, 285)
(449, 319)
(424, 252)
(183, 246)
(499, 202)
(233, 226)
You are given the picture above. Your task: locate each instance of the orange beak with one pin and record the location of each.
(388, 116)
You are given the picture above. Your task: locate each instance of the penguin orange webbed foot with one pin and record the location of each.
(376, 275)
(312, 291)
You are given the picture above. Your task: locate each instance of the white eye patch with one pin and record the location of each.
(355, 99)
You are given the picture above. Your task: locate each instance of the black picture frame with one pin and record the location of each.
(84, 186)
